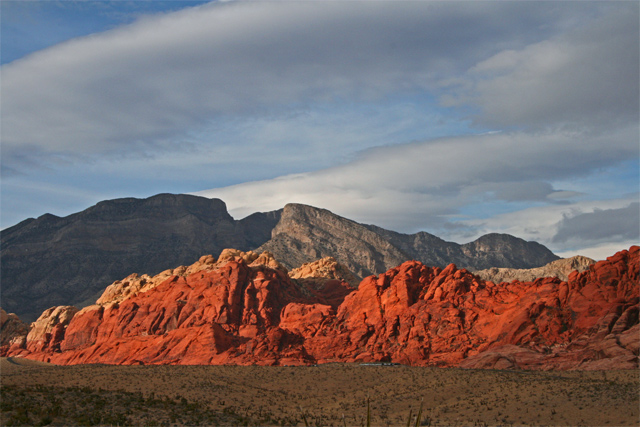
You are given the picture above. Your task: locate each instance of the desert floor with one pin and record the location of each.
(334, 394)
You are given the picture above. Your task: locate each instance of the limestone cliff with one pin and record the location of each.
(305, 234)
(560, 269)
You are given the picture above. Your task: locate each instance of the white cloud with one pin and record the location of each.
(429, 185)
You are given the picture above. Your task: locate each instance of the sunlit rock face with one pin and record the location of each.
(244, 308)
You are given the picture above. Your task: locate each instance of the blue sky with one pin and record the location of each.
(457, 118)
(29, 26)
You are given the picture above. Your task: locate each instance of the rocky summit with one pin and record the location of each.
(244, 308)
(51, 261)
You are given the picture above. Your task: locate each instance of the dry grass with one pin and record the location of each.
(336, 394)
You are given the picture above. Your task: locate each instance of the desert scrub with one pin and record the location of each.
(43, 405)
(412, 421)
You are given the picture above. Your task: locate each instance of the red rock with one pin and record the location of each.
(245, 309)
(13, 333)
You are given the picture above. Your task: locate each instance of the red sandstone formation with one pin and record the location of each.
(13, 332)
(244, 310)
(326, 280)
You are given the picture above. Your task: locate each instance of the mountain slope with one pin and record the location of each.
(65, 261)
(305, 234)
(504, 250)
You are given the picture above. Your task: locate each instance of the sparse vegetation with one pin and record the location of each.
(84, 406)
(326, 395)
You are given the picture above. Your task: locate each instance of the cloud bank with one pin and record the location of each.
(144, 87)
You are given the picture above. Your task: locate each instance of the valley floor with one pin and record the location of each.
(334, 394)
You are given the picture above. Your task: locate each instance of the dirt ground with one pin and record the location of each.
(332, 394)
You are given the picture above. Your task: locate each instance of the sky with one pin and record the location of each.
(455, 118)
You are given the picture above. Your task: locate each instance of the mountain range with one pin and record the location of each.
(52, 261)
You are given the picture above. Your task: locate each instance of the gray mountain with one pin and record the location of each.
(52, 261)
(305, 234)
(68, 261)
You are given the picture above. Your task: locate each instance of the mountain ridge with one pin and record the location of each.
(52, 260)
(368, 249)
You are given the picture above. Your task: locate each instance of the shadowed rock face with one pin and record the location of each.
(11, 328)
(490, 250)
(60, 261)
(246, 310)
(53, 261)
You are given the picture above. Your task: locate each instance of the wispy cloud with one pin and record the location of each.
(145, 86)
(585, 78)
(436, 184)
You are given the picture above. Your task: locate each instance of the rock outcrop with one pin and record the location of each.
(560, 269)
(324, 269)
(46, 333)
(240, 311)
(13, 332)
(326, 280)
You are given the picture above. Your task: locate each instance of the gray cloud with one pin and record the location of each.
(601, 225)
(542, 222)
(144, 87)
(586, 77)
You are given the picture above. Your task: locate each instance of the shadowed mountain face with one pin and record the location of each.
(59, 261)
(53, 261)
